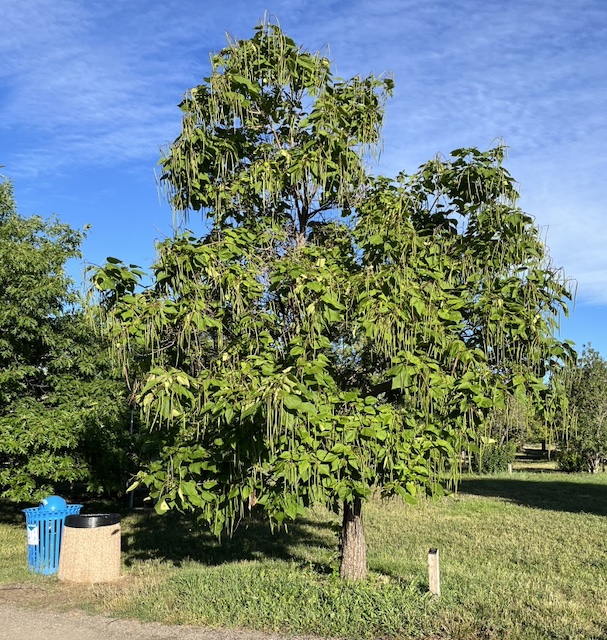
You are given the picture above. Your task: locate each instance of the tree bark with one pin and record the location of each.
(594, 463)
(353, 545)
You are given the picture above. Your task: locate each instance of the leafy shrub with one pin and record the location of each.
(571, 460)
(576, 458)
(493, 458)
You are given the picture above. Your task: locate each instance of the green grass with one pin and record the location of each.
(13, 552)
(523, 556)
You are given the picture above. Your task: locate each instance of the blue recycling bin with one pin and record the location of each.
(44, 532)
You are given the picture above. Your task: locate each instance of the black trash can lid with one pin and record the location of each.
(92, 520)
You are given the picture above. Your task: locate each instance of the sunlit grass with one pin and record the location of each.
(13, 549)
(523, 556)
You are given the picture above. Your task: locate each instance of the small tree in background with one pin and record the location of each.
(332, 335)
(507, 428)
(62, 408)
(585, 441)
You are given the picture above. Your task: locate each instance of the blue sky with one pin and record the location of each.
(88, 95)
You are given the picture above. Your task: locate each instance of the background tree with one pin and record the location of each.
(506, 430)
(62, 409)
(585, 440)
(333, 334)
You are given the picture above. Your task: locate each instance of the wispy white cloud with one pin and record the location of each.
(84, 84)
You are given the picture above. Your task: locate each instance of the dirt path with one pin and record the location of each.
(20, 623)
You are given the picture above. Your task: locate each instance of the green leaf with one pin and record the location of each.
(162, 507)
(292, 402)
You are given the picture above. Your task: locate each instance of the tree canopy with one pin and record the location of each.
(585, 438)
(61, 406)
(333, 334)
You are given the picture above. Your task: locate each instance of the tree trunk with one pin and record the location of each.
(353, 545)
(594, 463)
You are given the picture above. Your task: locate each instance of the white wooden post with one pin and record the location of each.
(434, 572)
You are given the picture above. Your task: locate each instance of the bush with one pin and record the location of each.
(493, 458)
(570, 460)
(575, 458)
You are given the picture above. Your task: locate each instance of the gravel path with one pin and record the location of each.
(19, 623)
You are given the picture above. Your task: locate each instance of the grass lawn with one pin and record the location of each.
(522, 556)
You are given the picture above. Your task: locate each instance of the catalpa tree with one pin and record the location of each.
(333, 335)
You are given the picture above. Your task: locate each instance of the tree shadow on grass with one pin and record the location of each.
(176, 538)
(12, 513)
(556, 495)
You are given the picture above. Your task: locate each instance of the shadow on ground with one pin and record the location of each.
(175, 538)
(556, 495)
(11, 512)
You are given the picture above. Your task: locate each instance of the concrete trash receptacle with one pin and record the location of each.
(90, 550)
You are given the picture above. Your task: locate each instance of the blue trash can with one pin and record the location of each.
(44, 531)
